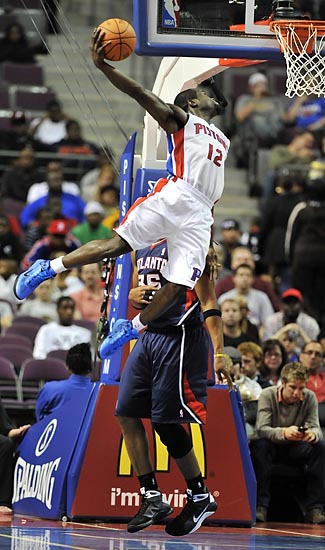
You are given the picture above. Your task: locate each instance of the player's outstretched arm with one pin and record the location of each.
(168, 117)
(206, 294)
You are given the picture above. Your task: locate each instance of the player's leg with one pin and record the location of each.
(200, 503)
(139, 228)
(91, 252)
(178, 396)
(134, 403)
(153, 507)
(136, 442)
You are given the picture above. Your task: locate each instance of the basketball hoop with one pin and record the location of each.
(302, 43)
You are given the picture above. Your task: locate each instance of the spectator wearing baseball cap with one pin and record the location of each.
(93, 228)
(292, 293)
(292, 318)
(230, 239)
(256, 79)
(57, 239)
(259, 117)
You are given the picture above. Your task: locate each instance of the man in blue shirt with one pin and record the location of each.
(72, 206)
(55, 394)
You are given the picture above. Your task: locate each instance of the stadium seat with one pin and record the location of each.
(4, 97)
(15, 340)
(26, 329)
(38, 321)
(33, 98)
(33, 374)
(9, 384)
(16, 354)
(22, 73)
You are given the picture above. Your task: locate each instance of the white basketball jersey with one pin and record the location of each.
(197, 155)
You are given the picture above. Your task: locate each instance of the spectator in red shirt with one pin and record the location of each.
(312, 358)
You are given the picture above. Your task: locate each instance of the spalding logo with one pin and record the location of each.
(46, 437)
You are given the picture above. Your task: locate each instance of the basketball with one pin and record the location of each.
(121, 36)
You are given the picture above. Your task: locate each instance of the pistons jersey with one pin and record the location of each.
(149, 262)
(197, 153)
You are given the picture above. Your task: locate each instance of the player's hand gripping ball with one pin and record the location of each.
(121, 39)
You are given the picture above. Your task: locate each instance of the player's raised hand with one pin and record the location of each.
(97, 46)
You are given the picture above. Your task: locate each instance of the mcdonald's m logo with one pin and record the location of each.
(162, 458)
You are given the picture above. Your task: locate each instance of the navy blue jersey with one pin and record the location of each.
(186, 311)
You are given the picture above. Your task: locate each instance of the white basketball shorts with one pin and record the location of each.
(181, 214)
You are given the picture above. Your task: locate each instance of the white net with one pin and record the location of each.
(303, 49)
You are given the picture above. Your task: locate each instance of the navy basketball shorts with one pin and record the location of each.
(165, 377)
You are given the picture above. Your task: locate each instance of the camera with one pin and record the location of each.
(302, 429)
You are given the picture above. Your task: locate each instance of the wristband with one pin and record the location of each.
(136, 323)
(211, 313)
(219, 355)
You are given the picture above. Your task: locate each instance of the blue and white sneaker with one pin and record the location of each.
(27, 281)
(122, 332)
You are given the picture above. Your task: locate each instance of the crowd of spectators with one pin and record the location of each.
(270, 287)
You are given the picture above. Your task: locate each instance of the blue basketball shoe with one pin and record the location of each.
(122, 332)
(26, 282)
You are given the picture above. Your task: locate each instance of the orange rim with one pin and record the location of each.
(302, 29)
(299, 24)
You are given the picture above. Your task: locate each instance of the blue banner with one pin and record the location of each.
(144, 184)
(119, 303)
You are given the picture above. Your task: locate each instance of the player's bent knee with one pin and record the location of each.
(130, 425)
(175, 438)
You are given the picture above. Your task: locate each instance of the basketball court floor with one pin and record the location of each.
(21, 533)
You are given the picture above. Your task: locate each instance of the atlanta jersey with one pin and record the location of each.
(149, 262)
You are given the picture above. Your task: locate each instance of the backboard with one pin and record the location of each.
(205, 28)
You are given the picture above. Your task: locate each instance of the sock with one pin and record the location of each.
(148, 481)
(57, 265)
(196, 485)
(136, 323)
